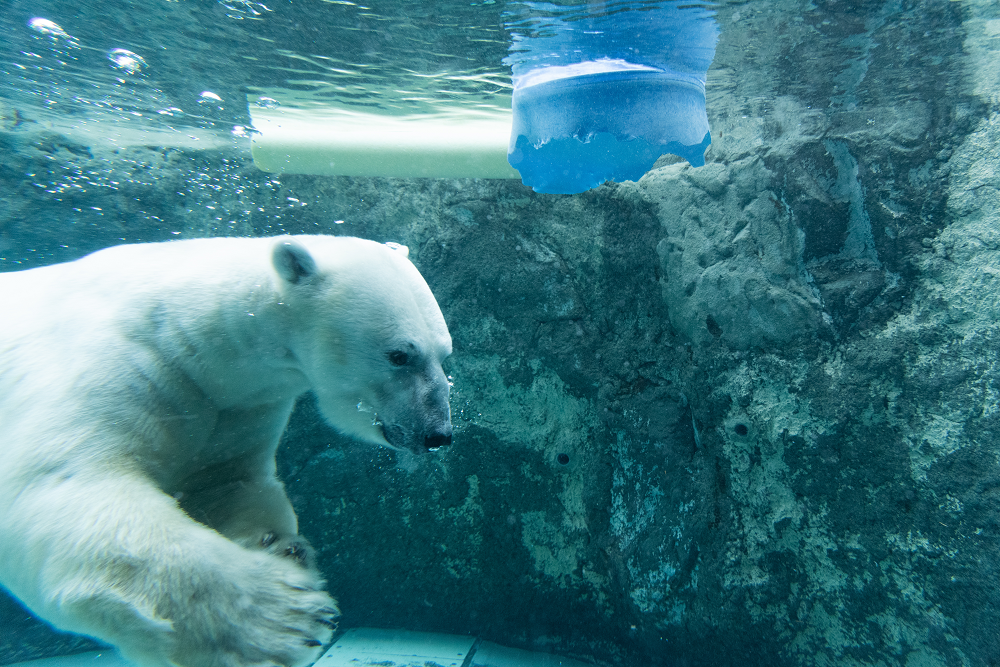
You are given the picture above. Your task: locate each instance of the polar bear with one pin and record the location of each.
(143, 390)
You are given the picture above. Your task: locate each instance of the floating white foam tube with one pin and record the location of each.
(343, 143)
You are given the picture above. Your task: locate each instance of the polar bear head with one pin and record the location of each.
(370, 338)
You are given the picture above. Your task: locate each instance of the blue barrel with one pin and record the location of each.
(602, 91)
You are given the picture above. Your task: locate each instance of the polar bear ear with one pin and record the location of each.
(292, 261)
(399, 247)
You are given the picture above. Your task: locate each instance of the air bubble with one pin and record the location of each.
(49, 29)
(125, 60)
(268, 103)
(58, 37)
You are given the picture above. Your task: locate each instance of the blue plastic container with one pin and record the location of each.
(601, 92)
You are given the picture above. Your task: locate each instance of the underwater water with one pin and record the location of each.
(739, 414)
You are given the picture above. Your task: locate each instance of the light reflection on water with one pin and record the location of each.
(402, 57)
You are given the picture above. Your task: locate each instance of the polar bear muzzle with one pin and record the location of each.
(418, 419)
(438, 440)
(397, 437)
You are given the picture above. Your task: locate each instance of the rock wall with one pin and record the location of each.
(743, 413)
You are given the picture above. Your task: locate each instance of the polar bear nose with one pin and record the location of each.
(437, 440)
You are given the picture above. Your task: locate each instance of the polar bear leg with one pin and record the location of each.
(113, 557)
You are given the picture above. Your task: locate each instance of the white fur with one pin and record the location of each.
(143, 390)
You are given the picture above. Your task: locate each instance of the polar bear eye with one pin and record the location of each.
(398, 358)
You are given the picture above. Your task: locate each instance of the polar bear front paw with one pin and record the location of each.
(271, 611)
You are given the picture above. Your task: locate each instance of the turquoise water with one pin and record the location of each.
(393, 57)
(739, 414)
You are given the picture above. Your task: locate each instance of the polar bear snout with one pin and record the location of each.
(437, 413)
(414, 408)
(438, 440)
(418, 441)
